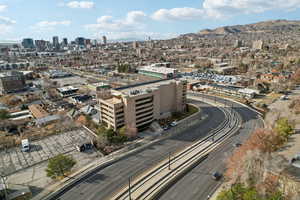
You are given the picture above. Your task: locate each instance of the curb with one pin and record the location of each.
(65, 184)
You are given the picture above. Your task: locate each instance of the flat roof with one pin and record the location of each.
(162, 70)
(20, 113)
(113, 100)
(139, 89)
(66, 89)
(100, 84)
(22, 117)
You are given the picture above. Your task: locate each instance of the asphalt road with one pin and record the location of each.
(103, 183)
(198, 183)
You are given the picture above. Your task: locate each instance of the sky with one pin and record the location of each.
(132, 19)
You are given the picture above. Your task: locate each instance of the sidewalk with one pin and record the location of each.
(130, 149)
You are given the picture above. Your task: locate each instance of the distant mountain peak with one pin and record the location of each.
(265, 26)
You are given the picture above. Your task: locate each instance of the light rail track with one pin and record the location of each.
(148, 185)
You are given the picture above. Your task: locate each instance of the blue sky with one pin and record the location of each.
(42, 19)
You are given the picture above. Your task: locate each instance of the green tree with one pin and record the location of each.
(284, 128)
(239, 192)
(276, 196)
(115, 137)
(122, 131)
(4, 114)
(59, 166)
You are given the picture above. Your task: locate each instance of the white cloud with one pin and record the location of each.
(53, 23)
(80, 4)
(135, 35)
(6, 25)
(185, 13)
(7, 20)
(131, 27)
(133, 21)
(49, 25)
(5, 29)
(2, 7)
(225, 8)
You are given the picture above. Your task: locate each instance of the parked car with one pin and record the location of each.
(173, 124)
(284, 97)
(25, 145)
(216, 176)
(237, 145)
(166, 128)
(84, 146)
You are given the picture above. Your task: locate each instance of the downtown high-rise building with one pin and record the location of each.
(55, 42)
(104, 39)
(27, 43)
(65, 42)
(41, 45)
(80, 41)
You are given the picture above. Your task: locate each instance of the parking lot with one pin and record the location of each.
(13, 159)
(211, 77)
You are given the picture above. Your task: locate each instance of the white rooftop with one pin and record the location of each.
(162, 70)
(100, 84)
(67, 88)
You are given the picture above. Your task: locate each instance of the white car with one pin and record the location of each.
(173, 124)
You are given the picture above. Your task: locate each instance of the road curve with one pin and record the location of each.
(101, 184)
(198, 184)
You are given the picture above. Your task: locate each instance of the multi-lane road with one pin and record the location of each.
(198, 183)
(103, 183)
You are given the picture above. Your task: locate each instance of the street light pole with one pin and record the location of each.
(129, 188)
(5, 189)
(169, 165)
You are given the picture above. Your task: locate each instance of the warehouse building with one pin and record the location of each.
(137, 106)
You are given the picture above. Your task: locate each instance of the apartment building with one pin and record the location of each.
(137, 106)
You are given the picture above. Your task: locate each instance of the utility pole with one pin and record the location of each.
(169, 165)
(129, 188)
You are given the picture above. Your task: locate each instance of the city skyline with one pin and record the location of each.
(137, 21)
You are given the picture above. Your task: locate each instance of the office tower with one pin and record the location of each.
(80, 41)
(65, 42)
(41, 45)
(104, 40)
(27, 43)
(55, 42)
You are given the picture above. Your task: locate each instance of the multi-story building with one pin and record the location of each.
(65, 42)
(12, 82)
(55, 42)
(137, 106)
(104, 39)
(158, 72)
(80, 41)
(27, 43)
(40, 45)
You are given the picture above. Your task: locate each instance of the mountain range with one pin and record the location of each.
(265, 26)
